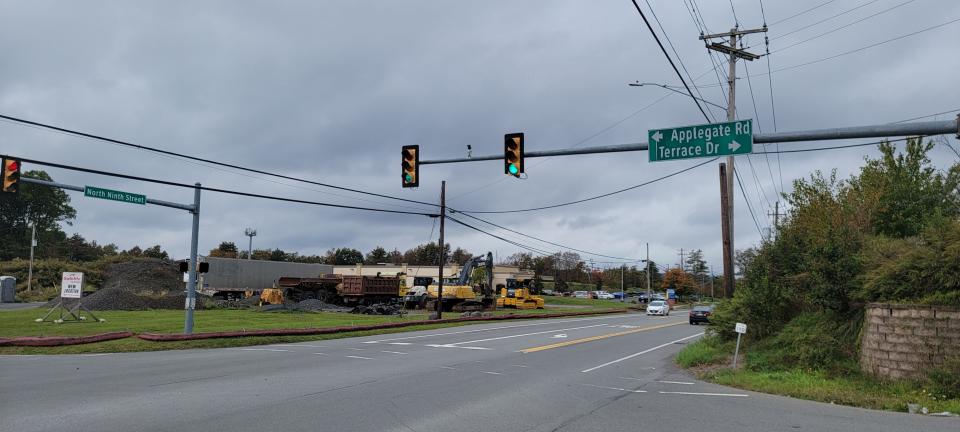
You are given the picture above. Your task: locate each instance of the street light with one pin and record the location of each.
(250, 232)
(640, 84)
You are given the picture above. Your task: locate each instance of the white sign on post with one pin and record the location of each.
(740, 328)
(71, 285)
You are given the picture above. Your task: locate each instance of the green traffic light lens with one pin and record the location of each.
(408, 178)
(513, 169)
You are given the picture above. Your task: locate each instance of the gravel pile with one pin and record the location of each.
(378, 309)
(140, 284)
(315, 305)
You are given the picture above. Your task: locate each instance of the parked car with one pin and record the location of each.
(658, 307)
(700, 314)
(603, 295)
(581, 294)
(548, 292)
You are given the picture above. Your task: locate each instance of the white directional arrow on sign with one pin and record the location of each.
(657, 136)
(733, 146)
(559, 336)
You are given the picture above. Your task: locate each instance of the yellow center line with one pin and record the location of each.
(594, 338)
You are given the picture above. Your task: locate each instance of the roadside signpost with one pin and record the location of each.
(71, 287)
(700, 141)
(740, 328)
(108, 194)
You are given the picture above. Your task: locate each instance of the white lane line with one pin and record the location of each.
(705, 394)
(676, 382)
(299, 345)
(262, 349)
(322, 354)
(394, 352)
(356, 349)
(491, 373)
(632, 379)
(614, 388)
(524, 334)
(94, 355)
(454, 346)
(448, 367)
(495, 328)
(359, 357)
(639, 353)
(397, 343)
(522, 366)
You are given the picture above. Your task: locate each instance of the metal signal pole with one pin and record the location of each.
(443, 216)
(33, 244)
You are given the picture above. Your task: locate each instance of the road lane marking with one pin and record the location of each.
(262, 349)
(639, 353)
(632, 379)
(359, 357)
(356, 349)
(495, 328)
(614, 388)
(448, 367)
(520, 366)
(299, 345)
(491, 373)
(705, 394)
(676, 382)
(523, 334)
(393, 352)
(322, 354)
(397, 343)
(454, 346)
(595, 338)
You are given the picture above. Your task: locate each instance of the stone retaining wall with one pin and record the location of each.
(905, 341)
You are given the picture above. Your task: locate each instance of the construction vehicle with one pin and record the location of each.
(237, 279)
(517, 295)
(334, 289)
(416, 297)
(459, 295)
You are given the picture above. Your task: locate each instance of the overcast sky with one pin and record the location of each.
(330, 91)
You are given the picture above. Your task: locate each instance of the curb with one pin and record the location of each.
(62, 340)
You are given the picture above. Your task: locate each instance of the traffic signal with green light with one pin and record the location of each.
(411, 166)
(513, 154)
(11, 175)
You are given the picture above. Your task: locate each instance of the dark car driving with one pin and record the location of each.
(701, 314)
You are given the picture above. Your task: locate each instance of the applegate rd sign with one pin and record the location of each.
(708, 140)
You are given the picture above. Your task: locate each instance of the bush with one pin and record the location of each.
(765, 307)
(822, 341)
(946, 379)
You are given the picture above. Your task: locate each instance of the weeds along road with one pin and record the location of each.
(610, 373)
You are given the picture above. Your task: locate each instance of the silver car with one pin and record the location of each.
(658, 307)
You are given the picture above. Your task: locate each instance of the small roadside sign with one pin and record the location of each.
(740, 328)
(71, 285)
(112, 195)
(700, 141)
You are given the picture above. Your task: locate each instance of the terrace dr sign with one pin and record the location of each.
(708, 140)
(107, 194)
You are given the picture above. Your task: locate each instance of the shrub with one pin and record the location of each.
(946, 378)
(821, 341)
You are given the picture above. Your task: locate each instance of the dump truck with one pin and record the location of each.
(335, 289)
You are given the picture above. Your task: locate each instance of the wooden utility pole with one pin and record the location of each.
(725, 232)
(443, 216)
(776, 218)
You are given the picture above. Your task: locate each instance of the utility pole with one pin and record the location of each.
(623, 268)
(711, 283)
(191, 302)
(648, 272)
(776, 218)
(250, 232)
(681, 260)
(733, 53)
(33, 244)
(443, 216)
(725, 232)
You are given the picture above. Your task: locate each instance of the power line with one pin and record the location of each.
(844, 26)
(825, 19)
(803, 12)
(218, 190)
(679, 75)
(929, 115)
(756, 113)
(834, 147)
(595, 197)
(194, 158)
(749, 207)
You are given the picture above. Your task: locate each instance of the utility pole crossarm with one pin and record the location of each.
(732, 33)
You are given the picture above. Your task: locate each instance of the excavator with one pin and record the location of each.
(460, 296)
(517, 295)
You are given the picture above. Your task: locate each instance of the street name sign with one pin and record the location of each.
(71, 285)
(107, 194)
(699, 141)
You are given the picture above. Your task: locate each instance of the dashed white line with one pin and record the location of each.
(359, 357)
(520, 366)
(299, 345)
(322, 354)
(676, 382)
(356, 349)
(262, 349)
(394, 343)
(618, 316)
(614, 388)
(705, 394)
(394, 352)
(639, 353)
(454, 346)
(448, 367)
(632, 379)
(94, 355)
(491, 373)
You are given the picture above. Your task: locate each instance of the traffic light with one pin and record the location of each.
(11, 175)
(411, 166)
(513, 154)
(184, 266)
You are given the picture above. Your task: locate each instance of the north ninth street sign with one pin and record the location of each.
(709, 140)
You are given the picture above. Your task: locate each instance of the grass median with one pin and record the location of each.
(21, 323)
(710, 359)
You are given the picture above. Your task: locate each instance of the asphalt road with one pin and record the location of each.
(610, 373)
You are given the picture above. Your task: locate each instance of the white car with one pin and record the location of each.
(603, 295)
(581, 294)
(658, 307)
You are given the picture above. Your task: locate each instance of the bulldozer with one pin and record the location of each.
(517, 295)
(459, 295)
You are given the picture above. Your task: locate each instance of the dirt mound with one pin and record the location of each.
(144, 274)
(119, 299)
(315, 305)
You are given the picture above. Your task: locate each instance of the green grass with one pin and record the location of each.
(21, 323)
(712, 358)
(592, 303)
